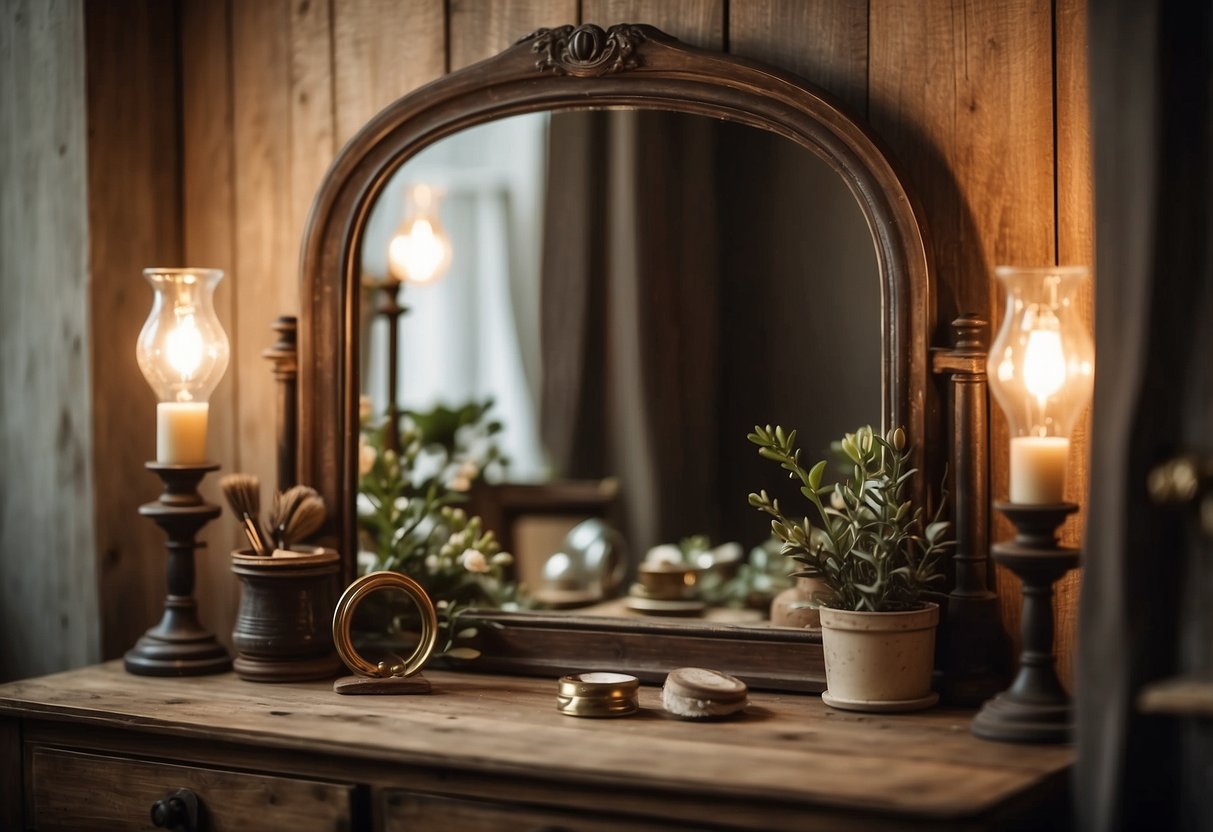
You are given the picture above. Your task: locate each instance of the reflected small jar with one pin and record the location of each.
(1041, 370)
(183, 352)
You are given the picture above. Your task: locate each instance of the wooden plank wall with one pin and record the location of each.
(983, 104)
(48, 602)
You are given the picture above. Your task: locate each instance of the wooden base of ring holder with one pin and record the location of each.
(282, 628)
(1036, 707)
(179, 645)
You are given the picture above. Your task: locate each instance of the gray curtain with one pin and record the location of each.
(629, 314)
(1147, 599)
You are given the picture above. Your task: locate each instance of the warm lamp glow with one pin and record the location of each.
(420, 251)
(1044, 364)
(183, 353)
(183, 347)
(1043, 361)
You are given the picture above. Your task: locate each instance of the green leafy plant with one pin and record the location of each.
(410, 519)
(869, 543)
(759, 578)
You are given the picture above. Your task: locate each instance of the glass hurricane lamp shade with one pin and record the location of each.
(183, 353)
(1041, 370)
(420, 251)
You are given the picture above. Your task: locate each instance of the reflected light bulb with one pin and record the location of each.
(418, 254)
(420, 251)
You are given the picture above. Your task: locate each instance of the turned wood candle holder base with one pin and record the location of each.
(179, 645)
(1036, 708)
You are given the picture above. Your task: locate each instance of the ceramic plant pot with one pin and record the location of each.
(283, 629)
(879, 661)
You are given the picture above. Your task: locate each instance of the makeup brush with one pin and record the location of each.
(243, 493)
(296, 514)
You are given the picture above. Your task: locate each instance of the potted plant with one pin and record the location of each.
(876, 555)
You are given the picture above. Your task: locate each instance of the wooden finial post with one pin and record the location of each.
(284, 355)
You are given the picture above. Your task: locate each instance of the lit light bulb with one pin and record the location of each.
(1044, 363)
(420, 251)
(183, 353)
(183, 346)
(1043, 373)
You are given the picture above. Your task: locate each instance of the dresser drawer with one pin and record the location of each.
(411, 812)
(76, 791)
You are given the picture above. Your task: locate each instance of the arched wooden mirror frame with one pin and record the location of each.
(570, 68)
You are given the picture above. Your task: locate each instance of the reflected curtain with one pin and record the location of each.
(629, 314)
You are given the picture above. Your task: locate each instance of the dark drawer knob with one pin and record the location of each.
(178, 811)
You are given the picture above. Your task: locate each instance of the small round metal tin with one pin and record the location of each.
(598, 694)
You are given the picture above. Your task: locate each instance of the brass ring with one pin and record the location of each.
(344, 614)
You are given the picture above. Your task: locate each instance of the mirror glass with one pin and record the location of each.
(386, 626)
(590, 311)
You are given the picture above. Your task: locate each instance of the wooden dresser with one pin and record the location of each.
(97, 748)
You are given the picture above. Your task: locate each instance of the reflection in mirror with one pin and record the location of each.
(579, 316)
(385, 626)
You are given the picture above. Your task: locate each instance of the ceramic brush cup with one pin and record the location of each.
(282, 631)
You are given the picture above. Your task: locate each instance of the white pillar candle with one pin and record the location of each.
(1038, 469)
(181, 433)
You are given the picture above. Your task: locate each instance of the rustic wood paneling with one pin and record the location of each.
(382, 50)
(134, 135)
(208, 233)
(1075, 246)
(48, 604)
(481, 28)
(267, 245)
(313, 117)
(963, 92)
(826, 41)
(698, 22)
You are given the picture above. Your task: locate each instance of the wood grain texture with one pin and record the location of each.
(928, 765)
(826, 41)
(407, 812)
(382, 50)
(313, 138)
(48, 605)
(209, 239)
(78, 792)
(134, 136)
(482, 28)
(1075, 246)
(963, 91)
(264, 278)
(697, 22)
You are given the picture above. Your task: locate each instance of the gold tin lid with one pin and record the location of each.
(598, 694)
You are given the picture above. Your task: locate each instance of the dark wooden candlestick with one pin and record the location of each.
(1036, 707)
(284, 355)
(179, 645)
(390, 309)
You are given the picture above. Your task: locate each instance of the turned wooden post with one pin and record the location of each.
(973, 647)
(284, 355)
